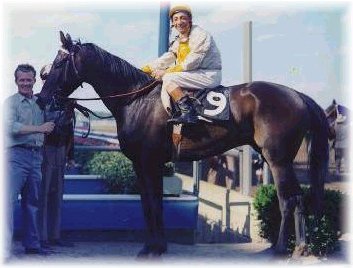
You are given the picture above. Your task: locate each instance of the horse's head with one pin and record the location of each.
(64, 76)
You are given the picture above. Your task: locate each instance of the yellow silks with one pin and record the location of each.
(183, 51)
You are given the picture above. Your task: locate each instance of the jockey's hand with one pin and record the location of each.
(158, 74)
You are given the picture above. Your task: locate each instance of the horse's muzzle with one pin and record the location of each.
(40, 102)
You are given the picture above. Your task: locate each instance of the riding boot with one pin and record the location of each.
(188, 112)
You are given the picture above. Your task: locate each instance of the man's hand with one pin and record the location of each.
(158, 74)
(47, 127)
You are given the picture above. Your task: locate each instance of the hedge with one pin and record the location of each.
(116, 169)
(322, 235)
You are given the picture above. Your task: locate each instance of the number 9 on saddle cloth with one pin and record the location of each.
(213, 103)
(62, 114)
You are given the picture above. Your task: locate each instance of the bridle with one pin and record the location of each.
(72, 60)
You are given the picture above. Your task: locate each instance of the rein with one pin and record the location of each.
(153, 84)
(86, 111)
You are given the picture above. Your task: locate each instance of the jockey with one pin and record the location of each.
(192, 61)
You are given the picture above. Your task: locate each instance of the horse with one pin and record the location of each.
(271, 118)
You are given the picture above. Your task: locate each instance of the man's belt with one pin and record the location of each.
(28, 147)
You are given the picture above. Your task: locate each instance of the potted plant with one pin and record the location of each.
(172, 184)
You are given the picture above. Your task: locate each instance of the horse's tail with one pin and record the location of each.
(318, 151)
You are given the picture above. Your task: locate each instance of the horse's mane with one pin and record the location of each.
(118, 67)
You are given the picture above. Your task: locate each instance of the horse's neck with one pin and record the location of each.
(138, 111)
(120, 106)
(109, 74)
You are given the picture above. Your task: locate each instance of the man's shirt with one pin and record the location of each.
(20, 111)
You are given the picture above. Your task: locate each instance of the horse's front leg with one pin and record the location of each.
(150, 177)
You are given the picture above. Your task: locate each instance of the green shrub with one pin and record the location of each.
(322, 235)
(82, 158)
(116, 169)
(266, 205)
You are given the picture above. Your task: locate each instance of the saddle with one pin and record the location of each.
(210, 103)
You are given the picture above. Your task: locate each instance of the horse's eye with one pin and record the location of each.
(59, 63)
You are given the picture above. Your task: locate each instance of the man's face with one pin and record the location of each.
(25, 82)
(181, 22)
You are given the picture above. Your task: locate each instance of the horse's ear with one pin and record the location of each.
(66, 40)
(69, 40)
(62, 38)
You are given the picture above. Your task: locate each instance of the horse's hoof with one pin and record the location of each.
(280, 251)
(300, 250)
(144, 252)
(159, 250)
(151, 252)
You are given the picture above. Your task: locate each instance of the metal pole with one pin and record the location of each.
(196, 175)
(163, 28)
(241, 168)
(247, 52)
(266, 174)
(247, 77)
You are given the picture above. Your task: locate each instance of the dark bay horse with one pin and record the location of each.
(272, 118)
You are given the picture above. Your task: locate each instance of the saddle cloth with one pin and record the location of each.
(213, 102)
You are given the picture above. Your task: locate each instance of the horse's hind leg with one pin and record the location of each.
(290, 201)
(299, 220)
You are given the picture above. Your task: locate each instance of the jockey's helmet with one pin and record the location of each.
(180, 8)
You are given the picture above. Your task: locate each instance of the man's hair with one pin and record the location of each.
(25, 68)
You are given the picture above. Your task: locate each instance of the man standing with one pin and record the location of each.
(58, 148)
(24, 140)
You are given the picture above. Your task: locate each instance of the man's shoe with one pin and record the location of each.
(36, 251)
(61, 243)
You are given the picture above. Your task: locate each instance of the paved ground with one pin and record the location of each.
(102, 253)
(124, 253)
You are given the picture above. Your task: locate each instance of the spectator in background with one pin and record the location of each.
(341, 142)
(58, 150)
(258, 164)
